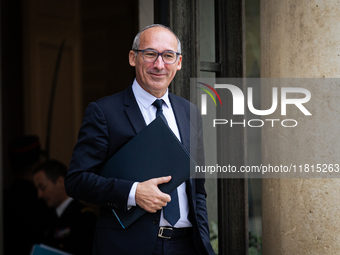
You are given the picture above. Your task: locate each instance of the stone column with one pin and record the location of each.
(301, 39)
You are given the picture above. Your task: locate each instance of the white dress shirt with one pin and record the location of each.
(145, 100)
(62, 207)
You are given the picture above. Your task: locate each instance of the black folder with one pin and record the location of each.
(153, 152)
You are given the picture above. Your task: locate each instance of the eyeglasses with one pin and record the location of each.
(168, 56)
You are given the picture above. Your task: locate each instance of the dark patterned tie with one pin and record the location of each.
(171, 210)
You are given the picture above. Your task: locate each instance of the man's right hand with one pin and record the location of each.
(149, 197)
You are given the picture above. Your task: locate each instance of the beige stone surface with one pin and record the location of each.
(301, 39)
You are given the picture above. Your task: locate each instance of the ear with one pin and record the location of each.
(60, 181)
(179, 62)
(132, 58)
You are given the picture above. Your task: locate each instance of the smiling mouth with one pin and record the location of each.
(157, 74)
(157, 77)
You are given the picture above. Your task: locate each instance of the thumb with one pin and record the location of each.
(164, 179)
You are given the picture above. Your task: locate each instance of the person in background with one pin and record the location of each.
(71, 226)
(24, 212)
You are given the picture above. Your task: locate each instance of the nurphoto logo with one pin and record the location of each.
(239, 104)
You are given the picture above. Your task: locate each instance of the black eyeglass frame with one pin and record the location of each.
(159, 54)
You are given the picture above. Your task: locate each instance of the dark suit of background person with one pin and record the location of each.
(73, 231)
(108, 125)
(70, 226)
(24, 212)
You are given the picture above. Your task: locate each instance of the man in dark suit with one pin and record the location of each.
(108, 125)
(70, 227)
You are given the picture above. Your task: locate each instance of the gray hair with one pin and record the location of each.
(136, 41)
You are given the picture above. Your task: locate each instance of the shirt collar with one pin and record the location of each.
(61, 208)
(145, 98)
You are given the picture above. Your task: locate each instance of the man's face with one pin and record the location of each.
(51, 192)
(155, 77)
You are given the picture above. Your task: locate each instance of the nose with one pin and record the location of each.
(159, 64)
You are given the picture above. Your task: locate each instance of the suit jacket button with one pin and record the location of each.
(155, 221)
(109, 205)
(115, 206)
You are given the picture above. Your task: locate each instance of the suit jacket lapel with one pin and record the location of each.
(138, 123)
(182, 116)
(132, 111)
(182, 120)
